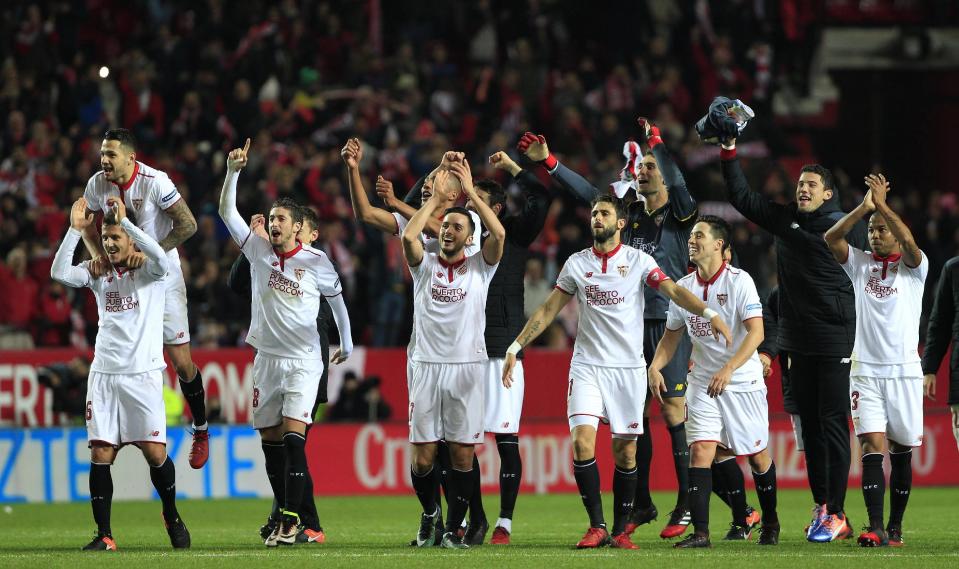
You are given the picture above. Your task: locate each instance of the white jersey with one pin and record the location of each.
(732, 293)
(286, 295)
(147, 194)
(609, 289)
(888, 308)
(129, 303)
(432, 244)
(449, 309)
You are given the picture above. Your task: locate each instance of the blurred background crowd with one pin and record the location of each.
(411, 80)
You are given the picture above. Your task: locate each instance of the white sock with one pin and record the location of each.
(463, 524)
(505, 523)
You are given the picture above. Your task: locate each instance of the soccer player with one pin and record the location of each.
(726, 399)
(816, 326)
(448, 360)
(125, 389)
(287, 279)
(660, 211)
(310, 530)
(156, 207)
(607, 376)
(886, 382)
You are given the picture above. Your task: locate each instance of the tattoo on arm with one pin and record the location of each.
(531, 333)
(184, 226)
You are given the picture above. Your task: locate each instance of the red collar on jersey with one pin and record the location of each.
(711, 280)
(886, 260)
(605, 256)
(288, 254)
(133, 177)
(450, 267)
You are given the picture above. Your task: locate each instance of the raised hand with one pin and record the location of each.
(450, 157)
(352, 153)
(650, 130)
(135, 260)
(237, 158)
(79, 219)
(441, 187)
(533, 146)
(118, 207)
(501, 161)
(258, 225)
(339, 356)
(462, 172)
(878, 188)
(384, 189)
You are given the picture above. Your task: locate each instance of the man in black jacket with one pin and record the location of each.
(505, 318)
(817, 322)
(943, 331)
(658, 222)
(239, 282)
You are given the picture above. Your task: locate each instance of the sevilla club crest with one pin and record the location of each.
(137, 203)
(722, 298)
(623, 270)
(298, 273)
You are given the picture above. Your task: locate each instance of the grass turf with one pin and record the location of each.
(374, 531)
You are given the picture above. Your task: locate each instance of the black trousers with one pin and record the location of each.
(820, 389)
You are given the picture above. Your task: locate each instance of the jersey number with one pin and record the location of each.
(256, 397)
(855, 400)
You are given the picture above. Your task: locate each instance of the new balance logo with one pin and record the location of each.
(633, 426)
(589, 275)
(155, 434)
(505, 425)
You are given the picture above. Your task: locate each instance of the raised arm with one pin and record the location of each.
(352, 154)
(493, 246)
(342, 319)
(683, 205)
(836, 235)
(536, 325)
(157, 263)
(235, 162)
(879, 187)
(773, 217)
(688, 300)
(530, 221)
(412, 246)
(63, 270)
(535, 148)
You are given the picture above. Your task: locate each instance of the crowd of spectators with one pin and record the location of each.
(411, 80)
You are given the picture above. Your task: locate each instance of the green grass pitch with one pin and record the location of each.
(365, 532)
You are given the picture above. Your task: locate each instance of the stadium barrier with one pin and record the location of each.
(52, 464)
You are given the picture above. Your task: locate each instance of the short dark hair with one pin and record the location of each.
(719, 227)
(296, 211)
(463, 211)
(110, 217)
(497, 195)
(614, 201)
(123, 136)
(828, 181)
(310, 217)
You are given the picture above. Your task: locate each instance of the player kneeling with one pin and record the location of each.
(726, 401)
(125, 390)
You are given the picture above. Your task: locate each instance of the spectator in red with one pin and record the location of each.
(19, 299)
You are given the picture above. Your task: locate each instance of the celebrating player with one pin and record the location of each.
(125, 389)
(448, 360)
(816, 327)
(886, 381)
(660, 211)
(239, 281)
(726, 399)
(155, 207)
(288, 279)
(607, 377)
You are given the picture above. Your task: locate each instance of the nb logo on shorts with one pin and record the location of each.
(180, 335)
(476, 436)
(505, 425)
(757, 443)
(634, 425)
(155, 434)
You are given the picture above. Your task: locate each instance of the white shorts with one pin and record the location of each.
(892, 406)
(611, 394)
(447, 402)
(124, 409)
(504, 407)
(176, 323)
(284, 388)
(737, 420)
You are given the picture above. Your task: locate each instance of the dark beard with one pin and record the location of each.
(605, 235)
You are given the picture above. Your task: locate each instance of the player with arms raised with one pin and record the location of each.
(288, 278)
(125, 388)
